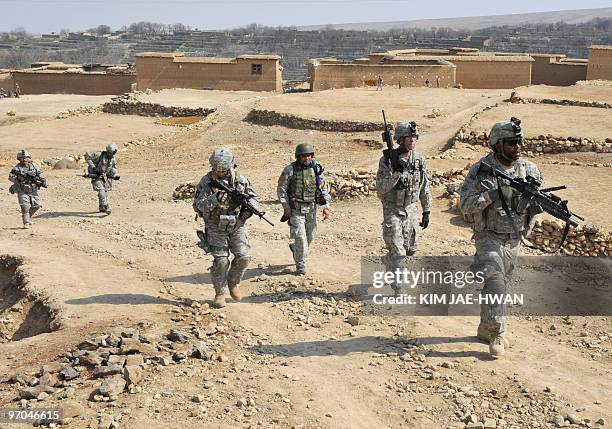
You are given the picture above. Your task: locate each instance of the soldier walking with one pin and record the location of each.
(401, 181)
(225, 224)
(102, 169)
(301, 188)
(497, 214)
(27, 179)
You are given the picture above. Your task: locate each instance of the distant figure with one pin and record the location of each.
(102, 170)
(17, 90)
(427, 84)
(3, 93)
(438, 81)
(379, 83)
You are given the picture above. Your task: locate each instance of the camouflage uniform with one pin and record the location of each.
(296, 190)
(399, 193)
(26, 182)
(104, 165)
(225, 229)
(497, 245)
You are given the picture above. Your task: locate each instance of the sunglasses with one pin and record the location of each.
(513, 142)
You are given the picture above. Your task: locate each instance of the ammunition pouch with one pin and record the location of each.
(203, 243)
(226, 222)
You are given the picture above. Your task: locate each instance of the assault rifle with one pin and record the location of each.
(529, 189)
(391, 154)
(240, 199)
(98, 176)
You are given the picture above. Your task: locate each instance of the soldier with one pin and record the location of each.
(102, 169)
(399, 191)
(225, 224)
(301, 187)
(27, 179)
(491, 206)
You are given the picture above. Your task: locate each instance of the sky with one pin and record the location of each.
(42, 16)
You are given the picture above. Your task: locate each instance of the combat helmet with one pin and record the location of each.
(111, 149)
(304, 149)
(222, 159)
(406, 129)
(23, 154)
(505, 130)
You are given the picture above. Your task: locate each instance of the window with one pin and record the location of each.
(255, 68)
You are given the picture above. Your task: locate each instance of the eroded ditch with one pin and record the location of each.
(21, 315)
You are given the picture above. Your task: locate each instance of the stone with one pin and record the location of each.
(134, 360)
(559, 421)
(116, 360)
(88, 345)
(200, 351)
(133, 346)
(490, 424)
(574, 419)
(161, 360)
(353, 320)
(48, 379)
(133, 374)
(34, 392)
(105, 371)
(69, 373)
(112, 387)
(198, 399)
(90, 360)
(66, 164)
(177, 337)
(106, 422)
(52, 367)
(71, 409)
(601, 422)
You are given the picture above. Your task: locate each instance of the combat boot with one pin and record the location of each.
(235, 293)
(483, 335)
(219, 301)
(496, 346)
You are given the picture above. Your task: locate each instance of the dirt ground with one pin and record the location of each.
(559, 121)
(584, 92)
(285, 356)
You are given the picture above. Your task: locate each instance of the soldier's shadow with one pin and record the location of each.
(53, 215)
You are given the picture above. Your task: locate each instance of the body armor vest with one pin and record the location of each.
(302, 184)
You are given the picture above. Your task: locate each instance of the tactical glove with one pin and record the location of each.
(424, 220)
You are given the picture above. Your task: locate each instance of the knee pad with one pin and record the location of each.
(220, 264)
(241, 262)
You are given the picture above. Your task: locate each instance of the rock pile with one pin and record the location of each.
(514, 98)
(129, 107)
(186, 191)
(543, 144)
(79, 111)
(585, 240)
(350, 184)
(269, 118)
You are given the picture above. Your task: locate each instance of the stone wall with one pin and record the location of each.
(515, 98)
(544, 144)
(585, 240)
(124, 107)
(271, 118)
